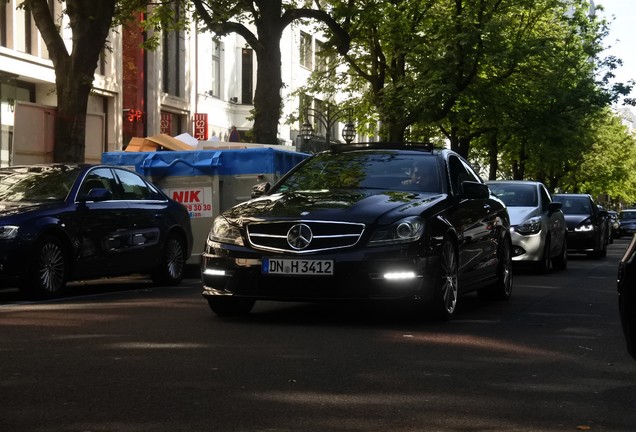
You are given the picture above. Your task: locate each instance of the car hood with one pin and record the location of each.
(8, 209)
(521, 214)
(351, 205)
(574, 220)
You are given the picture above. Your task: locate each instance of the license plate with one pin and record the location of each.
(284, 266)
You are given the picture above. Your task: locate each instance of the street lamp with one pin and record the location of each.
(328, 119)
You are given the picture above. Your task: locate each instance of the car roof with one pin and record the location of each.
(531, 182)
(404, 146)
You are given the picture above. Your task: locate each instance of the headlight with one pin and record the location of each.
(403, 231)
(223, 232)
(8, 232)
(530, 226)
(585, 226)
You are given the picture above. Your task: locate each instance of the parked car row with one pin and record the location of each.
(359, 222)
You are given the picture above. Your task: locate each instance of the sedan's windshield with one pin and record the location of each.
(366, 170)
(627, 215)
(575, 204)
(36, 183)
(515, 195)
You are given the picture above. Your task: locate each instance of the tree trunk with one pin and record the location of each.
(493, 156)
(463, 146)
(396, 132)
(74, 72)
(73, 90)
(267, 93)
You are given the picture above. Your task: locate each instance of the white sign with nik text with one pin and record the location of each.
(198, 200)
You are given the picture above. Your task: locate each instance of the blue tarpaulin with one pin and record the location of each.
(207, 162)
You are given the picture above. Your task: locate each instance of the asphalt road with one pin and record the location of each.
(124, 356)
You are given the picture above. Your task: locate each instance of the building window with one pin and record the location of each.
(216, 69)
(306, 51)
(247, 73)
(172, 49)
(23, 42)
(325, 61)
(171, 123)
(3, 23)
(323, 108)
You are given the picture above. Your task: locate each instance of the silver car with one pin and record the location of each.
(537, 223)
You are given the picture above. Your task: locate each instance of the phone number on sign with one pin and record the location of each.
(198, 207)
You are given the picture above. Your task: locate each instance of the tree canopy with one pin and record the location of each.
(518, 86)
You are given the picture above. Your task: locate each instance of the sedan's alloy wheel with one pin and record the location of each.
(171, 269)
(51, 267)
(47, 274)
(174, 259)
(448, 281)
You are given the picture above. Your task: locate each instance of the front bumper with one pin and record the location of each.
(14, 261)
(583, 242)
(527, 247)
(359, 275)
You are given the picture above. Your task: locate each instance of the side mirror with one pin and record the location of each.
(260, 189)
(554, 206)
(96, 194)
(475, 190)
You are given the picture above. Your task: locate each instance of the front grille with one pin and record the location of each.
(321, 235)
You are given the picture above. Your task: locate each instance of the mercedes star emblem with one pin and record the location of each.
(299, 236)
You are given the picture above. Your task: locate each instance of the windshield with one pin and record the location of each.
(515, 195)
(575, 204)
(627, 215)
(366, 170)
(37, 183)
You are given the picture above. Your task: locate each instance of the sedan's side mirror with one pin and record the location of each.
(260, 189)
(475, 190)
(96, 194)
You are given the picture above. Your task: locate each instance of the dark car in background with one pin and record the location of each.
(63, 222)
(587, 224)
(538, 228)
(627, 296)
(626, 223)
(614, 224)
(607, 219)
(363, 222)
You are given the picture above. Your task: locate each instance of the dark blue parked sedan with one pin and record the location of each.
(63, 222)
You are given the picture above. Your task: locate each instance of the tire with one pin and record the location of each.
(230, 306)
(47, 274)
(171, 269)
(502, 289)
(545, 265)
(561, 262)
(444, 302)
(602, 252)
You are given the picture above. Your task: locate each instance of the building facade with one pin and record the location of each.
(191, 84)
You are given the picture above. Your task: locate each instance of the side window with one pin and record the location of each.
(545, 198)
(134, 188)
(460, 172)
(593, 206)
(98, 178)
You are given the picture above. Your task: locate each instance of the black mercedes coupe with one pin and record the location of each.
(363, 222)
